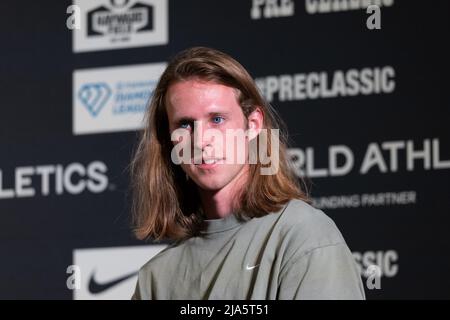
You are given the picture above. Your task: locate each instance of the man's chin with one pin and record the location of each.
(209, 185)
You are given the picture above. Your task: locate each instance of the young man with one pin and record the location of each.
(238, 233)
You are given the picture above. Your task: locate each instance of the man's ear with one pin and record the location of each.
(255, 122)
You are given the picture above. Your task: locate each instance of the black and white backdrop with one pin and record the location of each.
(364, 95)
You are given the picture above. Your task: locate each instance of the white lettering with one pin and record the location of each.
(314, 85)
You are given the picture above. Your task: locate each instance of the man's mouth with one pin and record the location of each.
(208, 162)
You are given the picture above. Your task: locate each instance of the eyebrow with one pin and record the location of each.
(190, 119)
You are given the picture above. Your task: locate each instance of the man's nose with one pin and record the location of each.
(200, 140)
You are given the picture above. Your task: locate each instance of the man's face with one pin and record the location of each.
(209, 106)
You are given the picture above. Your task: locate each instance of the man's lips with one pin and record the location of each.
(208, 163)
(206, 160)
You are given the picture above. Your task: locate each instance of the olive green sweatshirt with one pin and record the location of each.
(296, 253)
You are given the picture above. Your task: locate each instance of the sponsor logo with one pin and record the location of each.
(114, 24)
(386, 261)
(266, 9)
(384, 157)
(113, 99)
(327, 6)
(366, 200)
(320, 85)
(96, 287)
(110, 273)
(44, 180)
(94, 96)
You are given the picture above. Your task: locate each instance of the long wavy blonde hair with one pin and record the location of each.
(167, 206)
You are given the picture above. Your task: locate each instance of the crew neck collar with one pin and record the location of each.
(221, 224)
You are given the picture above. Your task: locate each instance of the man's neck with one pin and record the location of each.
(219, 204)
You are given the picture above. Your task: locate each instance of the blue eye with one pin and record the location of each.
(185, 125)
(218, 120)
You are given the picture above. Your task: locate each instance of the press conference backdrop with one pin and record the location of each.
(364, 95)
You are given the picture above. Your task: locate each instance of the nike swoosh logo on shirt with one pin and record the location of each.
(95, 287)
(252, 267)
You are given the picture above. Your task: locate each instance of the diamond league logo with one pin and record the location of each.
(94, 96)
(112, 99)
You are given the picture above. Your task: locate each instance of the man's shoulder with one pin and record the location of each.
(311, 226)
(159, 259)
(299, 211)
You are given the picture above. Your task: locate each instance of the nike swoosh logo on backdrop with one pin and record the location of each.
(95, 287)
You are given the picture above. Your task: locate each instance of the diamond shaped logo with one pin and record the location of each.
(94, 96)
